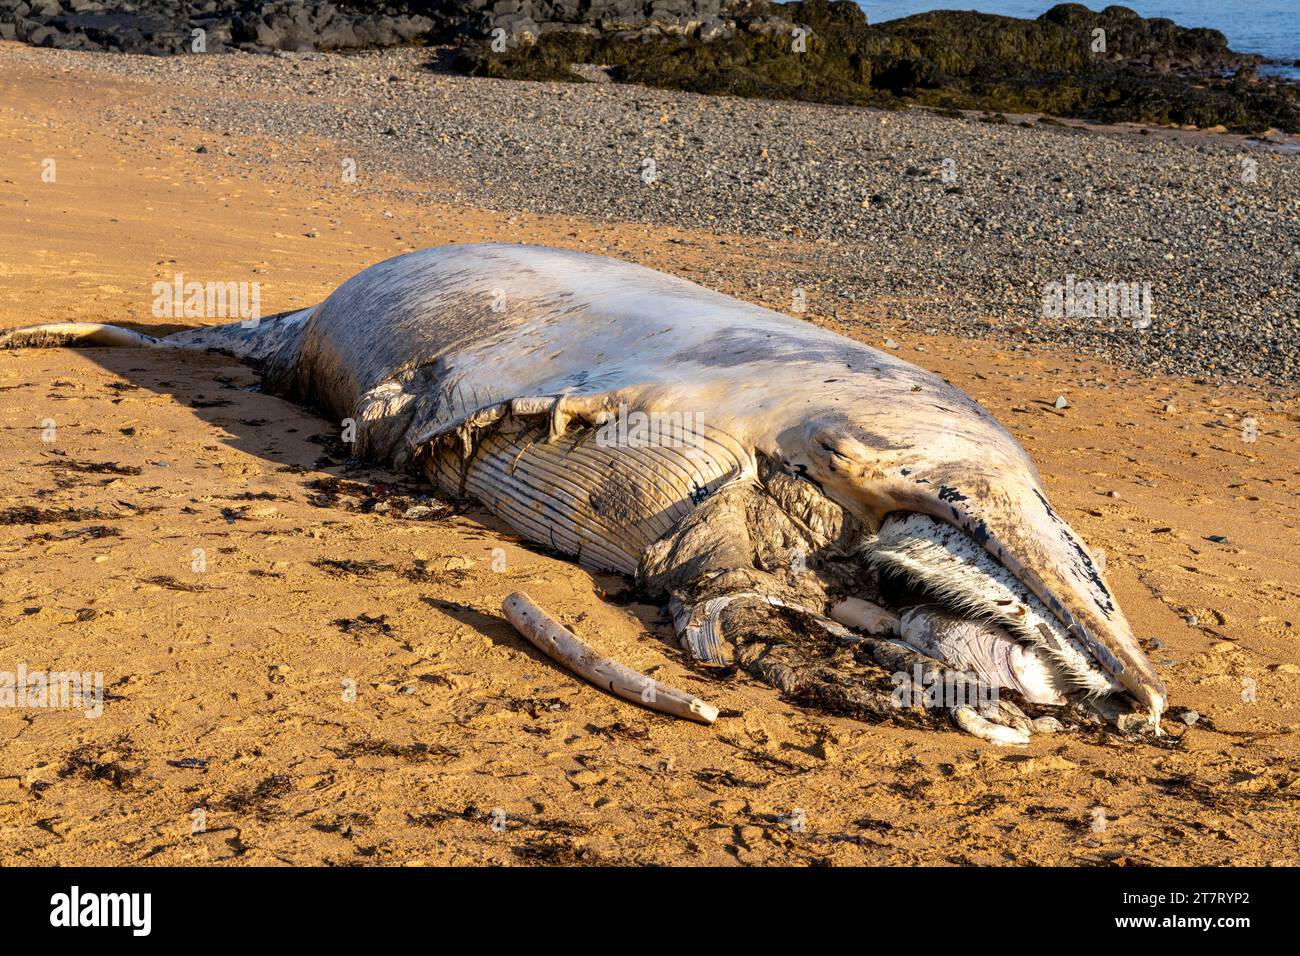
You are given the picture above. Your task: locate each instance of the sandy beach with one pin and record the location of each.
(226, 688)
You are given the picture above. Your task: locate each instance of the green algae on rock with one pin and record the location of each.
(1107, 66)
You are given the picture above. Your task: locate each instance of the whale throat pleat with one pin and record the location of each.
(601, 504)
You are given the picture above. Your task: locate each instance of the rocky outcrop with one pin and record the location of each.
(162, 28)
(207, 26)
(1108, 66)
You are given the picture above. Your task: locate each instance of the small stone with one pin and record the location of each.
(1217, 538)
(200, 149)
(890, 344)
(1047, 725)
(1061, 402)
(1131, 723)
(1189, 716)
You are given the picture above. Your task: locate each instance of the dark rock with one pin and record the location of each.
(266, 35)
(377, 31)
(337, 35)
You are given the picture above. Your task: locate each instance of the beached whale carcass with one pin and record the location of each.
(771, 479)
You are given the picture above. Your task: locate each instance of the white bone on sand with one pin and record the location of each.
(564, 647)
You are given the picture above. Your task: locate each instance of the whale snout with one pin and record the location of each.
(1025, 583)
(959, 509)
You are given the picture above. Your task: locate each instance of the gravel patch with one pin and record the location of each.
(947, 224)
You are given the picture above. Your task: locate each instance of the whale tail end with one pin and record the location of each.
(257, 341)
(66, 334)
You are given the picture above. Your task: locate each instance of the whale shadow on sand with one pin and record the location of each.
(224, 395)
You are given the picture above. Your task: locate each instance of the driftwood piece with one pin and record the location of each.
(566, 648)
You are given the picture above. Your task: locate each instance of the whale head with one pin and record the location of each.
(956, 506)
